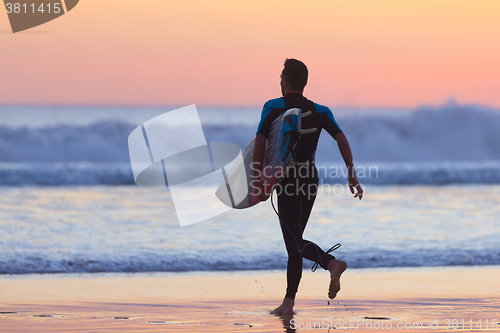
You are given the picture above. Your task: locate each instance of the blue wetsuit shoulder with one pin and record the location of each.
(331, 126)
(265, 119)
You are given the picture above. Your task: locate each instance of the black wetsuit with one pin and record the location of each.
(297, 191)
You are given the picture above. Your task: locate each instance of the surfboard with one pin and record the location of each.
(280, 148)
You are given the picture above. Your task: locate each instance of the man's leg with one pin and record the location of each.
(294, 210)
(294, 213)
(309, 249)
(290, 210)
(325, 260)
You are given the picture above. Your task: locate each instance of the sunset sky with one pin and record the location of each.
(360, 53)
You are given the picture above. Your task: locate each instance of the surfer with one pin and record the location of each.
(295, 204)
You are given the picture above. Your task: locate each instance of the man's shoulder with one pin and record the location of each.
(321, 108)
(325, 111)
(275, 103)
(268, 115)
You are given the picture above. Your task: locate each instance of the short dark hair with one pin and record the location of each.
(296, 73)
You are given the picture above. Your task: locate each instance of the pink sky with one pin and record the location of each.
(360, 53)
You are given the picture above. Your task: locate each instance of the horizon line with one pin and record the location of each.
(450, 101)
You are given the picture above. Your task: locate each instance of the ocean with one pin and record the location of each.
(69, 204)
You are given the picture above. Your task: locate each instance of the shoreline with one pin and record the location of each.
(240, 301)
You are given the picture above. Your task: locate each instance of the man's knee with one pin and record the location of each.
(293, 252)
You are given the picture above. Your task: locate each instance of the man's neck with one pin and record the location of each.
(300, 92)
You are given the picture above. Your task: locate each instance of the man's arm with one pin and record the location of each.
(345, 151)
(258, 158)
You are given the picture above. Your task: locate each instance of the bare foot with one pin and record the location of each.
(336, 268)
(286, 308)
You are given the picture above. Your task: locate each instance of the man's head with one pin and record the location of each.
(293, 76)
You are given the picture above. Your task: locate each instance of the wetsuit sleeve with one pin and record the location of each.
(268, 115)
(328, 121)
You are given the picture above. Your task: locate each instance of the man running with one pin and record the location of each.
(294, 206)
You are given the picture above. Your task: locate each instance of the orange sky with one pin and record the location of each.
(360, 53)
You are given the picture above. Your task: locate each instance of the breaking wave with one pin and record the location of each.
(448, 144)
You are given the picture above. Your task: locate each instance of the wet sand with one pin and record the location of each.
(370, 299)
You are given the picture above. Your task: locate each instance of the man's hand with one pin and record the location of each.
(263, 196)
(258, 192)
(345, 151)
(354, 184)
(257, 159)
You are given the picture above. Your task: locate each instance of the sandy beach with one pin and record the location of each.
(425, 299)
